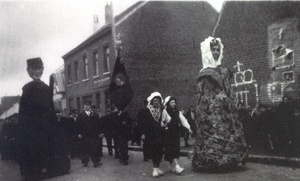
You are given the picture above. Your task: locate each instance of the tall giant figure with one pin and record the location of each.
(36, 124)
(220, 141)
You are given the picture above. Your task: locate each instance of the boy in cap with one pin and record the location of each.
(36, 125)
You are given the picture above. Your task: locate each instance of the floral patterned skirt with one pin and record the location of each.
(220, 138)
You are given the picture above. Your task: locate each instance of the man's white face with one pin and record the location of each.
(36, 73)
(58, 115)
(74, 115)
(239, 107)
(86, 107)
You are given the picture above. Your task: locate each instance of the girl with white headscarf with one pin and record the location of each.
(156, 119)
(220, 141)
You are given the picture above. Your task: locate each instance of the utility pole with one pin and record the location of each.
(113, 28)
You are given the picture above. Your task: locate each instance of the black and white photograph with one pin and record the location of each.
(113, 90)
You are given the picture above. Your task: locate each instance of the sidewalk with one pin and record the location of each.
(255, 158)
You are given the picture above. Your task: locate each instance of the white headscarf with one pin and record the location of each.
(167, 100)
(207, 58)
(154, 94)
(156, 112)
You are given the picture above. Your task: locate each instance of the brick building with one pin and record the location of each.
(161, 52)
(262, 46)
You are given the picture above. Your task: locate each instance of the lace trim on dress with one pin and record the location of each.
(156, 112)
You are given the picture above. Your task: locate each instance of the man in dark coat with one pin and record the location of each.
(191, 117)
(122, 131)
(144, 131)
(100, 125)
(75, 142)
(109, 122)
(36, 125)
(63, 137)
(9, 131)
(90, 132)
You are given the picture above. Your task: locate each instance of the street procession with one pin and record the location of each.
(150, 90)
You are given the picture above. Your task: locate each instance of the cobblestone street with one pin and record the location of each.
(112, 170)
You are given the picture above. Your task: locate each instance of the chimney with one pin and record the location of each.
(108, 14)
(96, 25)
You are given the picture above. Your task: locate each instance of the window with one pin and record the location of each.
(282, 36)
(63, 76)
(106, 59)
(71, 104)
(85, 67)
(288, 76)
(98, 100)
(96, 63)
(69, 75)
(76, 71)
(78, 104)
(59, 105)
(55, 105)
(87, 98)
(108, 102)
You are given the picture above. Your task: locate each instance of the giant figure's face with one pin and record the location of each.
(215, 50)
(35, 72)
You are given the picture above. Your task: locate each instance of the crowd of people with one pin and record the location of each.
(272, 130)
(8, 138)
(45, 138)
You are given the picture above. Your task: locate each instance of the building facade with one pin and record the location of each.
(88, 71)
(160, 50)
(7, 102)
(262, 46)
(59, 92)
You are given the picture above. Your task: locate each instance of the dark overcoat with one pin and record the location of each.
(36, 128)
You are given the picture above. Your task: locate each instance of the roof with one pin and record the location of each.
(11, 111)
(7, 102)
(104, 30)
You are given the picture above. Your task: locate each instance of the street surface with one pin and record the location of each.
(112, 170)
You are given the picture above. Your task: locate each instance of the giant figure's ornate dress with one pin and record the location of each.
(220, 138)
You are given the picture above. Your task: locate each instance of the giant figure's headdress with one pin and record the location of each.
(207, 57)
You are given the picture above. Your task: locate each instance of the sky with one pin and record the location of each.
(48, 29)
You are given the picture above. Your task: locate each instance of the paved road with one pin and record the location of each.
(112, 170)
